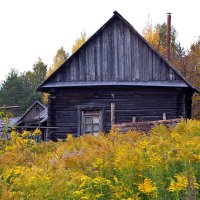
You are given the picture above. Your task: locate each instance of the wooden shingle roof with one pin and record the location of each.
(112, 56)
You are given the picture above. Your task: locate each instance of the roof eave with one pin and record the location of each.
(117, 15)
(78, 50)
(29, 110)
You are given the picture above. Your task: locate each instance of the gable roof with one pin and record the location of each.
(42, 116)
(29, 109)
(48, 84)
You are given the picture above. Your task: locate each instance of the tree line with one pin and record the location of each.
(186, 63)
(19, 88)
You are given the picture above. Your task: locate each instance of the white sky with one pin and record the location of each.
(38, 28)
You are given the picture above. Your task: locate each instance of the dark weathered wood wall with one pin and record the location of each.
(32, 112)
(116, 54)
(143, 103)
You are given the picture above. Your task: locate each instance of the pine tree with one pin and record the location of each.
(157, 38)
(19, 88)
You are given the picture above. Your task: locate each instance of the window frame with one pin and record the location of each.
(90, 108)
(91, 114)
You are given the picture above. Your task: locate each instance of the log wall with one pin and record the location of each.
(141, 102)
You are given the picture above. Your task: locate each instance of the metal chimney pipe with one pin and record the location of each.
(168, 39)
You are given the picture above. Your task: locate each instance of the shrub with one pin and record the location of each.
(164, 164)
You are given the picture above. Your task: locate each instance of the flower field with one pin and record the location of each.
(164, 164)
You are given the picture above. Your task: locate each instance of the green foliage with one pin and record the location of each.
(19, 89)
(192, 69)
(162, 165)
(38, 74)
(4, 118)
(14, 90)
(156, 36)
(162, 33)
(187, 64)
(60, 57)
(79, 42)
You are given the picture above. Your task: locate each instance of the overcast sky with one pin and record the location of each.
(38, 28)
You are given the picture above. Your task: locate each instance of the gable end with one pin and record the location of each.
(115, 53)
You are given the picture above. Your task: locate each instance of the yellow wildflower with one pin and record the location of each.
(147, 186)
(69, 137)
(98, 163)
(97, 196)
(180, 184)
(37, 132)
(26, 134)
(78, 192)
(116, 179)
(14, 135)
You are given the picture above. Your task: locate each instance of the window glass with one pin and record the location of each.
(96, 120)
(88, 120)
(88, 128)
(96, 127)
(91, 122)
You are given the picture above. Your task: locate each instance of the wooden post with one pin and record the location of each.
(133, 120)
(47, 135)
(164, 116)
(112, 114)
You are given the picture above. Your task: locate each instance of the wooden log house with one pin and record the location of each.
(118, 67)
(35, 117)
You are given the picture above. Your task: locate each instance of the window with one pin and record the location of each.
(37, 109)
(91, 119)
(91, 122)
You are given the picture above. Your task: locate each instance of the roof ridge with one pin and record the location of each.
(118, 15)
(30, 109)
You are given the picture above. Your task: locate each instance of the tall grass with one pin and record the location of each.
(164, 164)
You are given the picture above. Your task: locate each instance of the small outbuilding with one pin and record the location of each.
(116, 65)
(35, 117)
